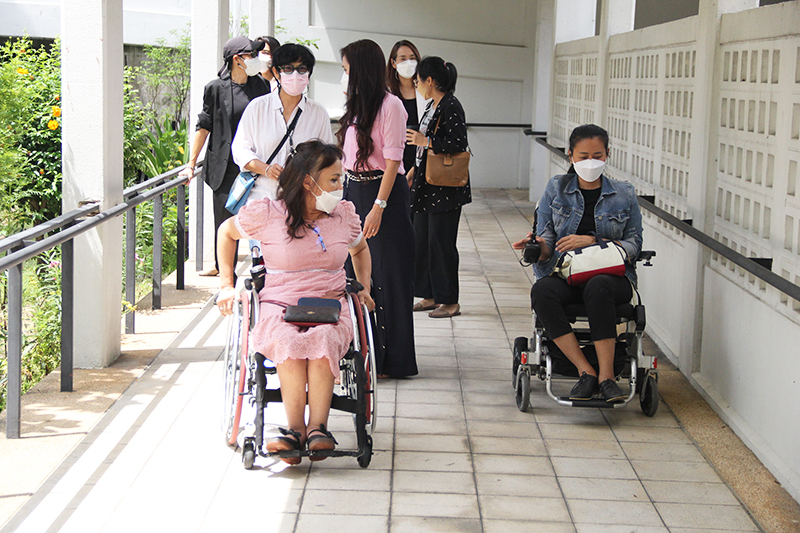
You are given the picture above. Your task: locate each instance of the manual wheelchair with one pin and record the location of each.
(540, 357)
(246, 373)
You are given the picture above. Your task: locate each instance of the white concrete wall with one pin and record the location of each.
(704, 113)
(491, 44)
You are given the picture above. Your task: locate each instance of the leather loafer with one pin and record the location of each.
(611, 392)
(585, 388)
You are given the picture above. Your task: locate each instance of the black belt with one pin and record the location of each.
(371, 175)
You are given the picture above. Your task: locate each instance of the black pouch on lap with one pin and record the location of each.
(313, 311)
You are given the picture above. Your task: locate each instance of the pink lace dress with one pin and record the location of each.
(299, 268)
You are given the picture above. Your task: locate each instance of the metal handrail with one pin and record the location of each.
(20, 247)
(747, 263)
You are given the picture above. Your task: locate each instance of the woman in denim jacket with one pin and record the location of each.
(565, 223)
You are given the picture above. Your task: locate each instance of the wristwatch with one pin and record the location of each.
(380, 203)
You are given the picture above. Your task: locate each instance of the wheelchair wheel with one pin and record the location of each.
(520, 345)
(364, 460)
(523, 391)
(363, 343)
(235, 369)
(249, 454)
(649, 398)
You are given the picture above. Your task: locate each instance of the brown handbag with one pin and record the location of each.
(447, 170)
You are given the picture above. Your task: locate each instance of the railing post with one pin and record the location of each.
(130, 269)
(14, 384)
(67, 270)
(198, 226)
(158, 230)
(181, 238)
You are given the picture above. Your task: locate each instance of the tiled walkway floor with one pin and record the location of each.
(453, 453)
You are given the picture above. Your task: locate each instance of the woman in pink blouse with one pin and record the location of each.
(372, 136)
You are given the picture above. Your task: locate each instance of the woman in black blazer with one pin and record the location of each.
(224, 100)
(437, 210)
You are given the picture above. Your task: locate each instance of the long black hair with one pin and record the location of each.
(366, 91)
(309, 158)
(587, 131)
(444, 74)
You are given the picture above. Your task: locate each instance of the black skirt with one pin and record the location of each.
(392, 251)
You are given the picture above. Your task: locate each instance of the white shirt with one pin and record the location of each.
(261, 129)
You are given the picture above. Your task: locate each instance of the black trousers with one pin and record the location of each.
(600, 295)
(436, 266)
(219, 197)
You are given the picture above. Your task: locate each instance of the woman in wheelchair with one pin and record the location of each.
(575, 209)
(306, 235)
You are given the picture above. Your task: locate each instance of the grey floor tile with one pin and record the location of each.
(526, 526)
(435, 505)
(657, 451)
(614, 512)
(507, 446)
(437, 482)
(521, 508)
(344, 480)
(697, 493)
(590, 449)
(486, 428)
(524, 485)
(351, 503)
(417, 524)
(433, 461)
(720, 517)
(652, 434)
(342, 522)
(429, 384)
(675, 471)
(632, 416)
(503, 464)
(428, 397)
(577, 432)
(606, 528)
(432, 443)
(593, 468)
(431, 410)
(430, 426)
(602, 489)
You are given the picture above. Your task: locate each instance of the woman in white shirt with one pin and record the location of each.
(266, 120)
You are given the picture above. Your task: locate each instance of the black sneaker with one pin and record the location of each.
(585, 388)
(611, 392)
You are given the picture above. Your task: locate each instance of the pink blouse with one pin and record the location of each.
(388, 134)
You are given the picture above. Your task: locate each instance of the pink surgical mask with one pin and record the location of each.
(295, 83)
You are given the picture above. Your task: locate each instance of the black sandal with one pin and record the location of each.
(286, 443)
(320, 440)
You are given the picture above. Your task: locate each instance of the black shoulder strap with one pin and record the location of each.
(289, 131)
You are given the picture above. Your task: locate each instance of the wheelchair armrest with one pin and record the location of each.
(354, 286)
(639, 317)
(646, 256)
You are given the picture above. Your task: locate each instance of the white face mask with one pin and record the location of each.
(266, 62)
(327, 201)
(589, 169)
(345, 81)
(407, 68)
(252, 66)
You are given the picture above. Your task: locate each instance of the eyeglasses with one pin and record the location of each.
(319, 238)
(288, 69)
(248, 54)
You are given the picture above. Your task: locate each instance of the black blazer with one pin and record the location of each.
(450, 138)
(217, 118)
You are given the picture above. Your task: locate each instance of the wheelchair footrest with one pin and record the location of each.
(594, 402)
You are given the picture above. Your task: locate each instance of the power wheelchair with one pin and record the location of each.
(540, 357)
(246, 374)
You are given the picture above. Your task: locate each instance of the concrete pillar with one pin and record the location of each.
(575, 19)
(209, 34)
(705, 135)
(544, 52)
(262, 18)
(92, 140)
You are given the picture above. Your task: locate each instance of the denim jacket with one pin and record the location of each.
(616, 217)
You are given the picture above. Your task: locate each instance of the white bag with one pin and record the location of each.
(581, 265)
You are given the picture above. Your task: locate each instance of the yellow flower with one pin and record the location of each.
(56, 111)
(21, 70)
(41, 171)
(180, 149)
(53, 125)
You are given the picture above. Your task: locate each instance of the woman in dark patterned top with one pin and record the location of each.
(437, 210)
